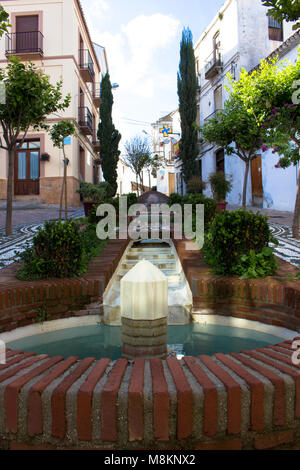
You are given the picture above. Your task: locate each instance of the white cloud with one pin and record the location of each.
(135, 57)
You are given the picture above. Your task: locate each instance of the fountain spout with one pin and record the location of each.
(144, 311)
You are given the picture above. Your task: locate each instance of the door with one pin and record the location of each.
(256, 178)
(27, 169)
(27, 33)
(171, 183)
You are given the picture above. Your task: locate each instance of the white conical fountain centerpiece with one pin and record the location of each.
(144, 311)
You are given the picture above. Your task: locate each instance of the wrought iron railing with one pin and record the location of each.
(86, 61)
(213, 60)
(213, 115)
(85, 118)
(24, 42)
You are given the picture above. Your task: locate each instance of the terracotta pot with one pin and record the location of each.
(222, 206)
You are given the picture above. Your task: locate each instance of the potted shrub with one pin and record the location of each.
(45, 157)
(195, 185)
(92, 194)
(220, 187)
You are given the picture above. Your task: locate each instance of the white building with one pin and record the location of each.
(240, 36)
(166, 133)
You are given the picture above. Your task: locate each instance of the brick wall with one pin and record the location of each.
(20, 301)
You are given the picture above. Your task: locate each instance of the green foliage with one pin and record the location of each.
(257, 265)
(131, 199)
(220, 186)
(42, 315)
(195, 185)
(210, 206)
(288, 10)
(30, 98)
(60, 131)
(236, 244)
(57, 251)
(108, 136)
(92, 192)
(270, 94)
(4, 21)
(187, 93)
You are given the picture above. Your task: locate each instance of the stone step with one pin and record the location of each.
(149, 250)
(174, 279)
(149, 256)
(161, 264)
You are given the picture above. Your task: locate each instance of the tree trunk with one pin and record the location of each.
(137, 184)
(296, 219)
(9, 197)
(245, 183)
(61, 200)
(66, 190)
(149, 180)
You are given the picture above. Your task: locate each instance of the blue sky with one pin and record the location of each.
(142, 40)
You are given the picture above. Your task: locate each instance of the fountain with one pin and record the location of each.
(144, 311)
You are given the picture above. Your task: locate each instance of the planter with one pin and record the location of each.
(222, 206)
(88, 206)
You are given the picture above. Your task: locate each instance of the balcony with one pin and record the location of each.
(96, 143)
(26, 45)
(85, 120)
(86, 65)
(96, 93)
(213, 65)
(213, 115)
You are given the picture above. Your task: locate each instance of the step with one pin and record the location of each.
(161, 264)
(149, 256)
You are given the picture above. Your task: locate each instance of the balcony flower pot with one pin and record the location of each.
(220, 187)
(45, 157)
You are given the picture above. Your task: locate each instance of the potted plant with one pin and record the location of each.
(45, 157)
(220, 187)
(195, 185)
(92, 194)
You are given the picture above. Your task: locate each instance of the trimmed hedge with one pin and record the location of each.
(238, 243)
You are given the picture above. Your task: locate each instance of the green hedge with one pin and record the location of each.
(210, 206)
(59, 250)
(238, 243)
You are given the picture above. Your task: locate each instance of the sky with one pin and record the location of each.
(142, 41)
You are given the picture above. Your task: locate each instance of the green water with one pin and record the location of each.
(101, 341)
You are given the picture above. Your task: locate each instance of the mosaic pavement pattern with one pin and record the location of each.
(22, 234)
(288, 248)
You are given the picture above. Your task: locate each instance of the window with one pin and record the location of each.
(220, 162)
(27, 33)
(275, 29)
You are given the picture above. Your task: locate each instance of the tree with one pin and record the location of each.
(58, 133)
(4, 22)
(187, 93)
(138, 157)
(30, 98)
(288, 10)
(271, 96)
(237, 132)
(108, 136)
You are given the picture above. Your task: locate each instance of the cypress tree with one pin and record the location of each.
(187, 93)
(108, 136)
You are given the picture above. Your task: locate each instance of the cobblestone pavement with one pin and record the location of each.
(27, 218)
